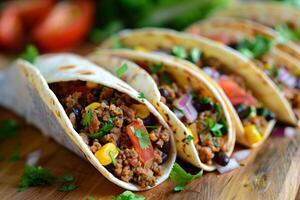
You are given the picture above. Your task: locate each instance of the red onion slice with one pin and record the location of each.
(289, 132)
(241, 155)
(233, 164)
(33, 157)
(185, 104)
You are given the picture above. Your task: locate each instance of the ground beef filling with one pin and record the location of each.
(208, 143)
(116, 110)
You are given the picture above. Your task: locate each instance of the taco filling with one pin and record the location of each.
(281, 75)
(202, 116)
(120, 131)
(253, 114)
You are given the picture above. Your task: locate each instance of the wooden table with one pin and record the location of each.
(271, 172)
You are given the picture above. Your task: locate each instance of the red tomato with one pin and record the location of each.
(31, 11)
(222, 37)
(11, 30)
(235, 93)
(144, 154)
(65, 26)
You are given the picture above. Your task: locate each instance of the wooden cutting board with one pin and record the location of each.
(270, 172)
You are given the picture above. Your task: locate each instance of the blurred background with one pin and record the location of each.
(64, 25)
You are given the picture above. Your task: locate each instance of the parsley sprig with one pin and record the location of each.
(31, 53)
(127, 195)
(181, 178)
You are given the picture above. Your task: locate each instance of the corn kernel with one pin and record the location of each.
(93, 106)
(252, 134)
(141, 110)
(91, 84)
(140, 48)
(106, 153)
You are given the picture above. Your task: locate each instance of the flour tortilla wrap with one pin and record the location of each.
(26, 91)
(152, 39)
(276, 15)
(239, 30)
(141, 80)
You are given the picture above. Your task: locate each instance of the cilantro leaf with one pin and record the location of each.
(87, 118)
(151, 127)
(113, 159)
(189, 138)
(122, 70)
(195, 55)
(143, 138)
(205, 100)
(66, 178)
(255, 48)
(31, 53)
(214, 127)
(67, 188)
(181, 178)
(141, 96)
(91, 198)
(155, 67)
(35, 176)
(218, 109)
(287, 32)
(127, 195)
(8, 129)
(179, 52)
(106, 128)
(166, 79)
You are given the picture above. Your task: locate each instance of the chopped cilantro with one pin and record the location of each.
(113, 159)
(206, 100)
(66, 178)
(188, 139)
(218, 109)
(179, 52)
(195, 55)
(214, 127)
(87, 118)
(31, 53)
(35, 176)
(91, 198)
(127, 195)
(166, 79)
(255, 48)
(141, 96)
(106, 128)
(155, 67)
(122, 70)
(116, 42)
(193, 94)
(181, 178)
(287, 32)
(67, 188)
(143, 138)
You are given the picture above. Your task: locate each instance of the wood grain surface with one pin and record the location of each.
(271, 172)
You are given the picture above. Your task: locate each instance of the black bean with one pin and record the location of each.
(200, 106)
(96, 93)
(221, 158)
(164, 92)
(266, 113)
(149, 121)
(78, 116)
(165, 151)
(243, 110)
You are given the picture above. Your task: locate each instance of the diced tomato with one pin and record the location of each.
(235, 93)
(65, 26)
(222, 37)
(31, 11)
(11, 30)
(147, 154)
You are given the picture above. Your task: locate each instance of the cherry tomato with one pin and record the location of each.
(235, 93)
(31, 11)
(144, 154)
(11, 30)
(65, 26)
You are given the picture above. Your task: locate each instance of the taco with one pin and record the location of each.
(196, 113)
(263, 50)
(253, 119)
(94, 114)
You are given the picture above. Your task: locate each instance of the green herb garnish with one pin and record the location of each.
(143, 138)
(31, 53)
(188, 139)
(255, 48)
(141, 96)
(66, 178)
(113, 159)
(181, 178)
(35, 176)
(106, 128)
(206, 100)
(214, 127)
(179, 52)
(122, 70)
(218, 109)
(166, 79)
(287, 32)
(91, 198)
(195, 55)
(87, 118)
(67, 188)
(8, 129)
(127, 195)
(155, 67)
(151, 127)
